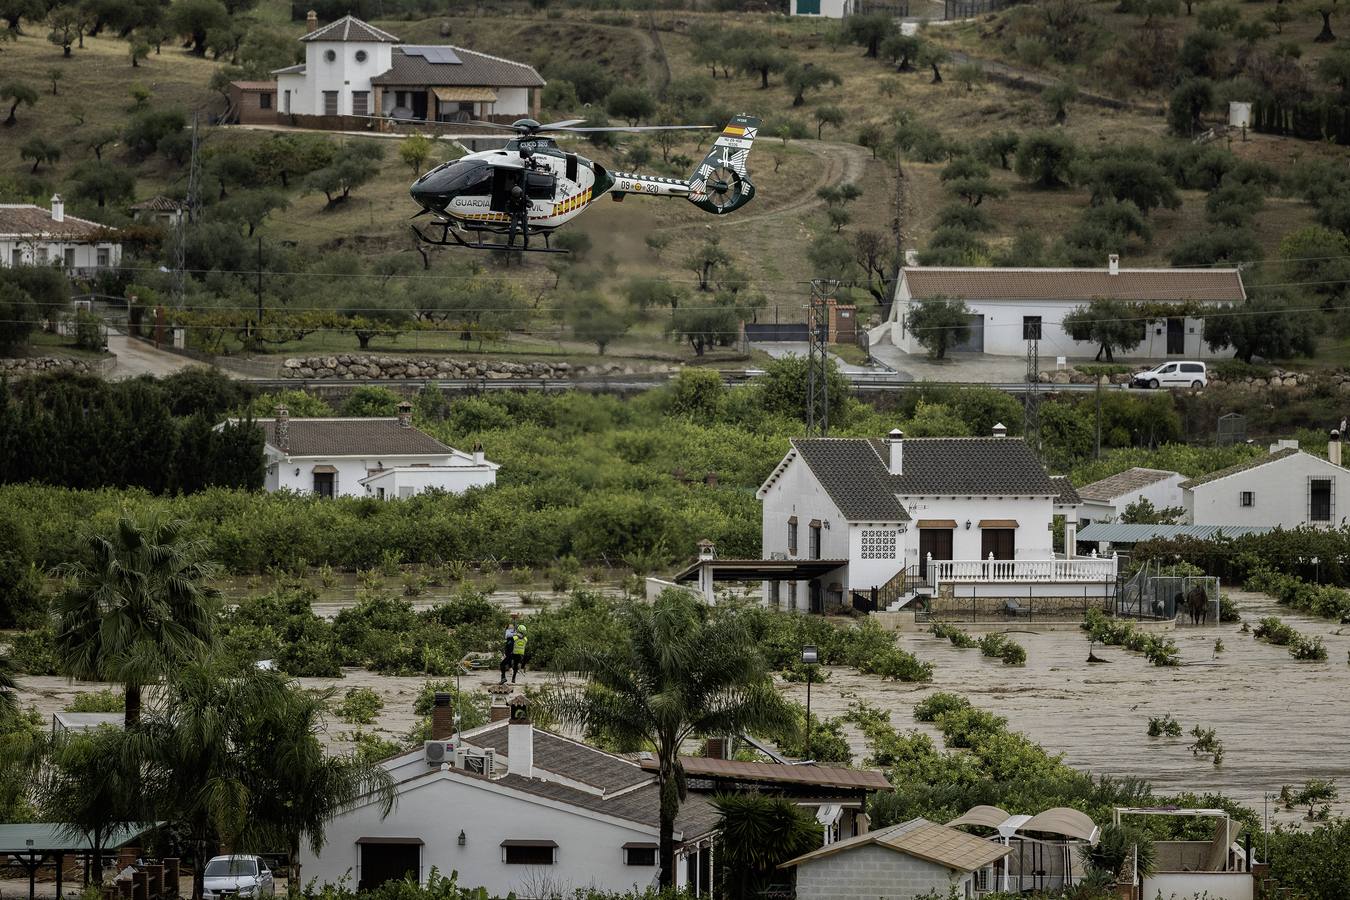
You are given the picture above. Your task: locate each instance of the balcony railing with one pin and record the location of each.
(1053, 571)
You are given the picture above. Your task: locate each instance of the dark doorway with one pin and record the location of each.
(935, 541)
(817, 598)
(324, 483)
(1176, 337)
(419, 104)
(998, 541)
(388, 862)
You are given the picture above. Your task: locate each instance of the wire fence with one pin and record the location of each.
(968, 604)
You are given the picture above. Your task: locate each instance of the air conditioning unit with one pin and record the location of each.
(438, 752)
(777, 554)
(83, 305)
(480, 763)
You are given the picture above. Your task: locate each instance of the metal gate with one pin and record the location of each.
(1151, 595)
(770, 332)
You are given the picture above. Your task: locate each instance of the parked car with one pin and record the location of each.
(237, 876)
(1177, 373)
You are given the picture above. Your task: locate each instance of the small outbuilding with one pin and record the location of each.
(900, 861)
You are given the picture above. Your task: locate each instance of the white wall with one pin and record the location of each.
(442, 804)
(875, 873)
(512, 102)
(796, 492)
(344, 75)
(829, 9)
(350, 471)
(1033, 515)
(1281, 494)
(1003, 331)
(86, 255)
(1162, 494)
(456, 479)
(1188, 885)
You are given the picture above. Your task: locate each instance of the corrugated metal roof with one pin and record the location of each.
(1122, 533)
(15, 838)
(969, 283)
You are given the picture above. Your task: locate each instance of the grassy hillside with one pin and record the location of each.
(769, 241)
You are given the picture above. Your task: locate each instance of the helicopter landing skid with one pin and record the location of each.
(450, 238)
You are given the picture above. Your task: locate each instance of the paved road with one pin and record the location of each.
(139, 358)
(961, 367)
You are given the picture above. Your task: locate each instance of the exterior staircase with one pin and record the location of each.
(894, 595)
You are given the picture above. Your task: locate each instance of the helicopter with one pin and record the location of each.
(531, 187)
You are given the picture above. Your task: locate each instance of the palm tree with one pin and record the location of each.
(137, 609)
(301, 787)
(92, 785)
(757, 833)
(681, 673)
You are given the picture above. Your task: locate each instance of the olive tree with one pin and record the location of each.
(939, 323)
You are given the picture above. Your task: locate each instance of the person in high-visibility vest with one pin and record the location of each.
(517, 642)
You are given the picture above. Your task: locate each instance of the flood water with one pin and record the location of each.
(1281, 721)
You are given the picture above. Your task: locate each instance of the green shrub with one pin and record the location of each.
(932, 708)
(1165, 724)
(359, 706)
(472, 708)
(1206, 743)
(34, 652)
(1013, 654)
(1315, 599)
(957, 637)
(104, 701)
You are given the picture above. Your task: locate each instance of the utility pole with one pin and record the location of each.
(1031, 410)
(258, 290)
(1098, 454)
(818, 358)
(187, 214)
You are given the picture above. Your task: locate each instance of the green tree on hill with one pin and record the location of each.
(933, 56)
(631, 103)
(18, 316)
(40, 150)
(66, 24)
(16, 93)
(104, 182)
(353, 165)
(415, 150)
(15, 11)
(870, 30)
(198, 20)
(939, 323)
(808, 77)
(901, 49)
(762, 58)
(1188, 104)
(1263, 326)
(828, 115)
(1131, 175)
(594, 321)
(1046, 158)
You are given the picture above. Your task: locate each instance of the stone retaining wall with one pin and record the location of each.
(348, 367)
(1276, 378)
(36, 365)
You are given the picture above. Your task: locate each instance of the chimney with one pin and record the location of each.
(478, 456)
(283, 429)
(1113, 264)
(895, 442)
(58, 208)
(499, 711)
(520, 739)
(1000, 430)
(442, 717)
(405, 414)
(311, 22)
(1334, 447)
(911, 257)
(707, 549)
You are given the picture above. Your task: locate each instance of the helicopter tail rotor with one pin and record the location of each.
(721, 183)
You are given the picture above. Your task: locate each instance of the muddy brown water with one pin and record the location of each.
(1281, 721)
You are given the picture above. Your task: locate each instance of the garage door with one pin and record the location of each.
(975, 342)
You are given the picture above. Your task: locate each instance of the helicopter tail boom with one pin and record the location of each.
(721, 183)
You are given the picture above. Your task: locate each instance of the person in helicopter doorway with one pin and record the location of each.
(513, 653)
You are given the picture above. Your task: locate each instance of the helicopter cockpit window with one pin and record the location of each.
(472, 179)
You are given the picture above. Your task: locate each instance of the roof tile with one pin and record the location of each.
(474, 69)
(853, 473)
(354, 437)
(1240, 467)
(568, 758)
(350, 29)
(1122, 483)
(778, 773)
(1074, 284)
(27, 220)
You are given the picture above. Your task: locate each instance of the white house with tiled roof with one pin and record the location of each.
(1286, 488)
(1106, 500)
(904, 514)
(384, 458)
(1009, 306)
(517, 811)
(33, 236)
(353, 69)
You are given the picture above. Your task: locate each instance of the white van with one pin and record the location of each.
(1177, 374)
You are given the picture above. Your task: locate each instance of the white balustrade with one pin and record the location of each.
(1079, 569)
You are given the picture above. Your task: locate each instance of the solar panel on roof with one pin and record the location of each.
(437, 55)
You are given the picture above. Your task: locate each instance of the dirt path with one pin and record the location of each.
(139, 358)
(1281, 721)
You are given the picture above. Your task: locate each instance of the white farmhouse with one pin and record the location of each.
(33, 236)
(873, 522)
(357, 71)
(385, 458)
(826, 9)
(1009, 306)
(515, 810)
(1107, 500)
(1287, 488)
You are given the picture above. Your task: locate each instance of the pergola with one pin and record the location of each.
(35, 844)
(1071, 826)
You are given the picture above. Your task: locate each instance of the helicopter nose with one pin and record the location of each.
(430, 191)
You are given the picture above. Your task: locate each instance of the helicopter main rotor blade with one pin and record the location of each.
(632, 128)
(565, 123)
